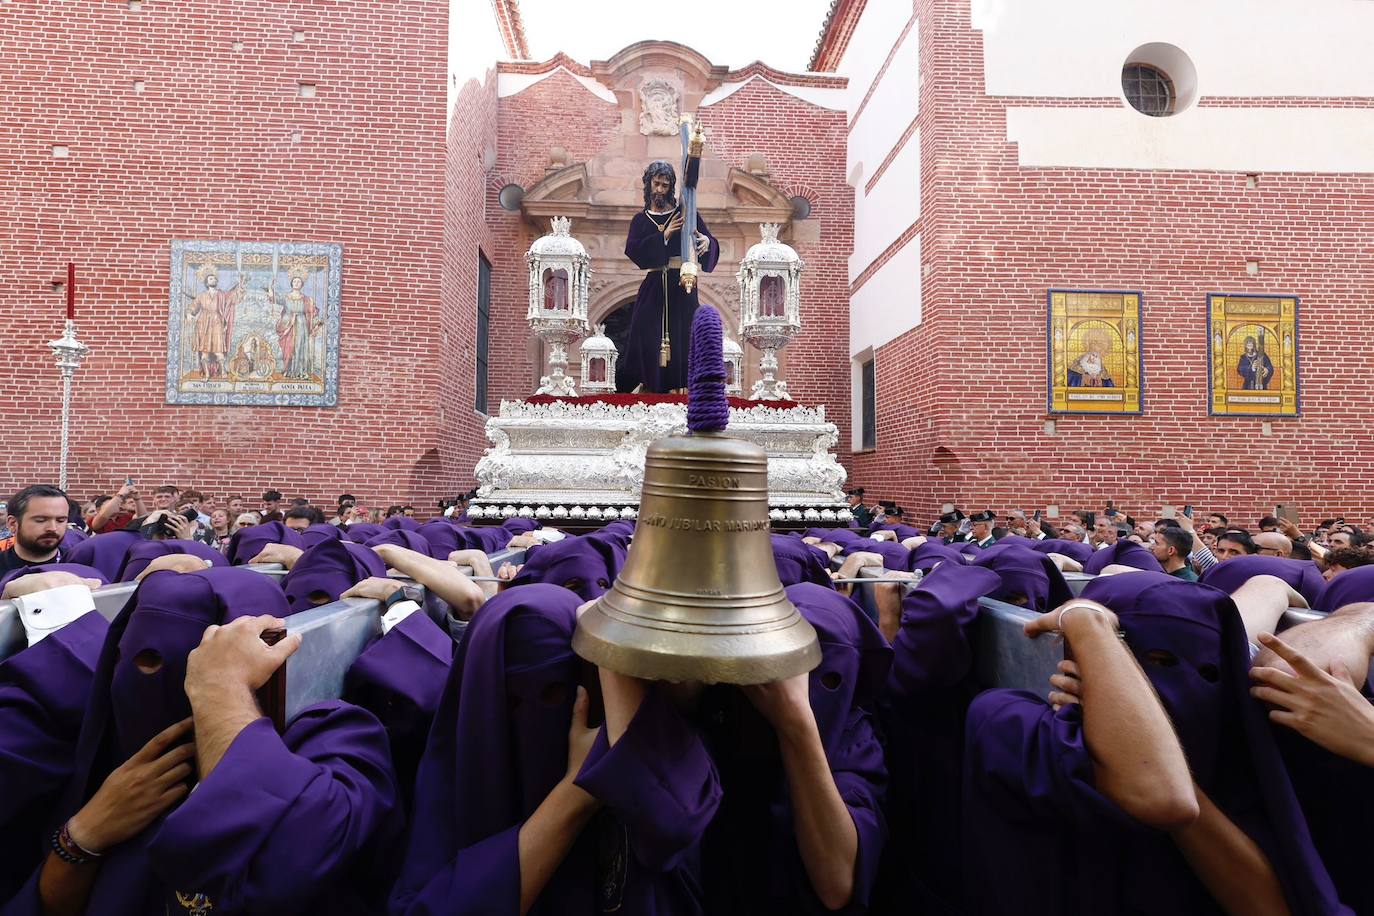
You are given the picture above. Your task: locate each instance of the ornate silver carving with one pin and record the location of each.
(770, 305)
(586, 456)
(559, 272)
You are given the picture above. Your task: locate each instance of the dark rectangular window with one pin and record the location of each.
(483, 327)
(869, 405)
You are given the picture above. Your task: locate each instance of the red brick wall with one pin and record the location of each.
(556, 111)
(962, 397)
(471, 140)
(205, 152)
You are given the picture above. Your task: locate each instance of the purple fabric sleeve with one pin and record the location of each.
(281, 818)
(482, 879)
(708, 260)
(658, 780)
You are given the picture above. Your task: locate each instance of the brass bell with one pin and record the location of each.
(699, 597)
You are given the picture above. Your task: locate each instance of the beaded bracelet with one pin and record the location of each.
(62, 844)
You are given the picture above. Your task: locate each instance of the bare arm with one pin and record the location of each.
(545, 838)
(110, 509)
(1262, 601)
(826, 836)
(1234, 869)
(481, 566)
(1137, 760)
(439, 576)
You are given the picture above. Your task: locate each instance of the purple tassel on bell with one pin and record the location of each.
(708, 411)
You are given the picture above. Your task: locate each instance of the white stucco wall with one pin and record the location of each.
(889, 303)
(1241, 49)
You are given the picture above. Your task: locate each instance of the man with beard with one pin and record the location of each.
(37, 517)
(653, 244)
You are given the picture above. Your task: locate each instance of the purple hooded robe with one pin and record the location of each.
(1029, 579)
(316, 533)
(1302, 575)
(250, 836)
(498, 746)
(1354, 586)
(362, 532)
(105, 552)
(799, 562)
(923, 709)
(402, 537)
(326, 571)
(248, 542)
(1125, 553)
(1074, 550)
(751, 860)
(76, 569)
(141, 554)
(585, 565)
(401, 523)
(1029, 781)
(43, 694)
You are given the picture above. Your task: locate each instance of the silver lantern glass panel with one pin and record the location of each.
(598, 363)
(734, 366)
(559, 275)
(770, 306)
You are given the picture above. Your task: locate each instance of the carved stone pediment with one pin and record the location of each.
(659, 107)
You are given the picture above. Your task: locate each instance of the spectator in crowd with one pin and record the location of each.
(196, 500)
(1344, 559)
(981, 533)
(271, 506)
(1234, 543)
(1105, 532)
(1268, 523)
(37, 520)
(1143, 530)
(114, 513)
(302, 517)
(949, 527)
(165, 497)
(219, 528)
(1345, 536)
(245, 520)
(1171, 546)
(1270, 543)
(235, 506)
(863, 516)
(1217, 520)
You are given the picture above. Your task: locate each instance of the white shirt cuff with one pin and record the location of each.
(44, 613)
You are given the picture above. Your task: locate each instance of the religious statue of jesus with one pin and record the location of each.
(662, 310)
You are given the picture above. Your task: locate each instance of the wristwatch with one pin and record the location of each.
(404, 593)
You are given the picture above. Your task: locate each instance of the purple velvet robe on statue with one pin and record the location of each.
(639, 363)
(751, 858)
(1029, 781)
(43, 695)
(283, 824)
(498, 746)
(923, 708)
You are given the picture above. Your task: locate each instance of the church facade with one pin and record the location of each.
(1027, 281)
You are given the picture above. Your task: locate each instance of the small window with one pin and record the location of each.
(1148, 89)
(483, 326)
(869, 405)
